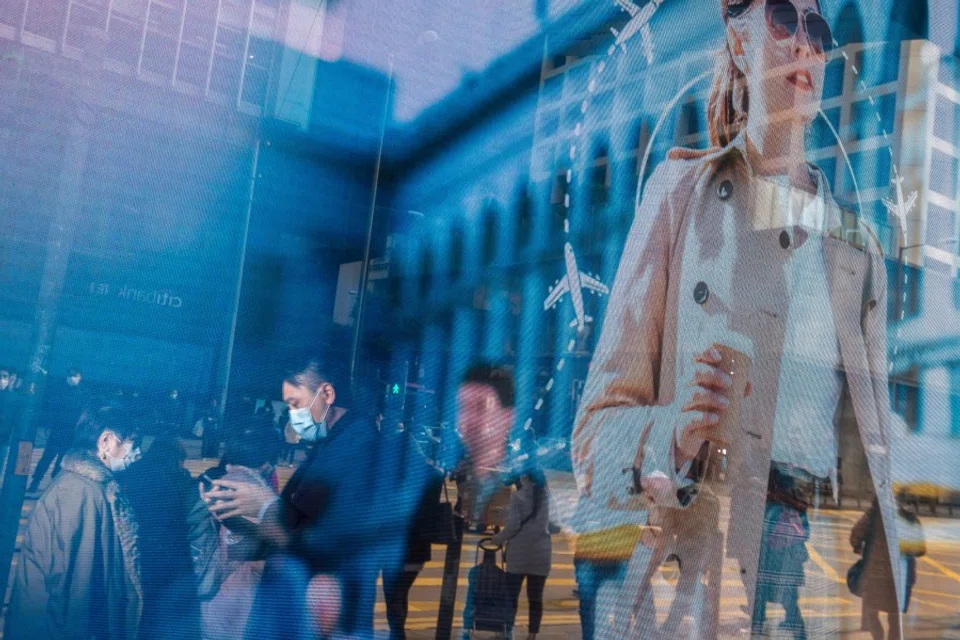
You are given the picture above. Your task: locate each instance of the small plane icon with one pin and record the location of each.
(900, 208)
(639, 22)
(574, 282)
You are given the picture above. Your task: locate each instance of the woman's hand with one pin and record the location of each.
(233, 498)
(702, 404)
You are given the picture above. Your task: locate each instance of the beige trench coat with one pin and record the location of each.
(693, 262)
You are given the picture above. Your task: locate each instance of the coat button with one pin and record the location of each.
(784, 239)
(725, 190)
(701, 292)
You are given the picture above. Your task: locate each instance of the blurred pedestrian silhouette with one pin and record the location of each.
(208, 429)
(179, 552)
(873, 578)
(63, 405)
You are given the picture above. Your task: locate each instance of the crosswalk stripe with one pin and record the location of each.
(934, 574)
(936, 565)
(420, 623)
(928, 592)
(935, 605)
(431, 605)
(469, 565)
(426, 581)
(827, 569)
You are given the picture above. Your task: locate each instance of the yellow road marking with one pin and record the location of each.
(431, 605)
(944, 570)
(421, 623)
(820, 562)
(928, 592)
(935, 574)
(436, 582)
(469, 565)
(935, 605)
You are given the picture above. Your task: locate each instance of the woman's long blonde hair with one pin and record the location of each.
(729, 96)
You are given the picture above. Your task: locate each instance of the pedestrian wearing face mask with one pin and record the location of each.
(326, 522)
(62, 407)
(79, 569)
(10, 411)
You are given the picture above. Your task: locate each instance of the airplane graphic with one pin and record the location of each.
(900, 208)
(639, 23)
(574, 282)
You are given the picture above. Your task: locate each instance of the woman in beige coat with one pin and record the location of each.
(876, 579)
(738, 247)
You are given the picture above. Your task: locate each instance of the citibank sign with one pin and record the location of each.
(156, 297)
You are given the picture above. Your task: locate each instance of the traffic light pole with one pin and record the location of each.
(80, 118)
(448, 587)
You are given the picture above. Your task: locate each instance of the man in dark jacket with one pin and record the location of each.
(330, 520)
(171, 413)
(62, 408)
(211, 433)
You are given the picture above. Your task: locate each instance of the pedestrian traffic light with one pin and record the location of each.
(395, 389)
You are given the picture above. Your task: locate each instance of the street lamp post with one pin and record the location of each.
(232, 335)
(365, 267)
(426, 38)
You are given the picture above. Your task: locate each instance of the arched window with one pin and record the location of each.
(909, 20)
(689, 123)
(524, 217)
(848, 33)
(561, 201)
(560, 189)
(599, 177)
(457, 248)
(426, 273)
(640, 140)
(849, 26)
(489, 238)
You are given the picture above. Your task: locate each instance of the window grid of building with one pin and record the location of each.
(221, 50)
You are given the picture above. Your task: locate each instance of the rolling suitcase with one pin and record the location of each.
(489, 612)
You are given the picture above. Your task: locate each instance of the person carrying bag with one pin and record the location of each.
(872, 578)
(528, 545)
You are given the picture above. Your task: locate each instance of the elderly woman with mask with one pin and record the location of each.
(79, 574)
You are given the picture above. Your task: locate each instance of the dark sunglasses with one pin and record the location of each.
(783, 19)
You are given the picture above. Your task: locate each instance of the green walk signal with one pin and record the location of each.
(395, 389)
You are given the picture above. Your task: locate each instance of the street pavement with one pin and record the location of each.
(934, 610)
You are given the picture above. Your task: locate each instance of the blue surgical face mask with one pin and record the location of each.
(302, 422)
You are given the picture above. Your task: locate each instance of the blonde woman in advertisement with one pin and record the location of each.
(739, 262)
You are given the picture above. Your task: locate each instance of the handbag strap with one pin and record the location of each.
(868, 538)
(453, 511)
(446, 493)
(533, 512)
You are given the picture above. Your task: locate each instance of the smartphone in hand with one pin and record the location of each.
(206, 482)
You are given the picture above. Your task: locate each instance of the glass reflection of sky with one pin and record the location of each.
(435, 45)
